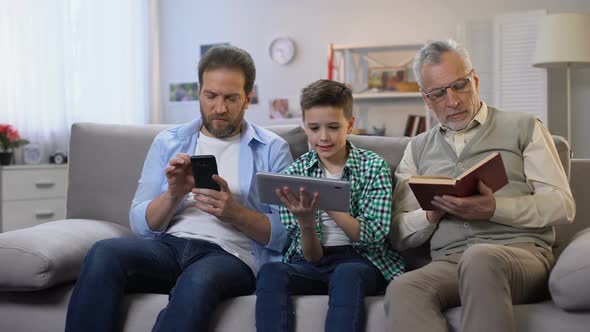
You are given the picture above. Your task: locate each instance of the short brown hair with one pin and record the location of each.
(229, 57)
(327, 93)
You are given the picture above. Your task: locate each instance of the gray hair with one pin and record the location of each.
(432, 52)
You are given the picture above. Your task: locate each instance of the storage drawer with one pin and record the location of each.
(27, 213)
(21, 183)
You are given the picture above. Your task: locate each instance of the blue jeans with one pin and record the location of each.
(198, 275)
(342, 273)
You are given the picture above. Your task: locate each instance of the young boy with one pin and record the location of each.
(344, 254)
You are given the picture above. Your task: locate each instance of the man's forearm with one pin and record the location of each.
(252, 223)
(160, 211)
(411, 229)
(542, 209)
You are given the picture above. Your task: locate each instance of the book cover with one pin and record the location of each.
(490, 171)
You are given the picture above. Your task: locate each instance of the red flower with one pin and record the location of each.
(9, 138)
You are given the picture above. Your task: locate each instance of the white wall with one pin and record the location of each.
(313, 24)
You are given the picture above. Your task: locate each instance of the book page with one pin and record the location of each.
(432, 180)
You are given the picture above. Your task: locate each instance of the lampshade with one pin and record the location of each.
(563, 38)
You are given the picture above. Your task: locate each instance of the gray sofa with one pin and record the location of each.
(39, 265)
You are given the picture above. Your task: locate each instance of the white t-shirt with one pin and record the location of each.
(333, 235)
(194, 223)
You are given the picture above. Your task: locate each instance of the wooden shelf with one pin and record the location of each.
(386, 95)
(379, 47)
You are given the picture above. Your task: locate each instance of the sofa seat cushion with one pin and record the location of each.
(534, 317)
(49, 254)
(569, 282)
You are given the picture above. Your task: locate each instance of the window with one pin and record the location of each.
(67, 61)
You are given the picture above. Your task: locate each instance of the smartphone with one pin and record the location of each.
(204, 166)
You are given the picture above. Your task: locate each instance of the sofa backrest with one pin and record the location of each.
(105, 163)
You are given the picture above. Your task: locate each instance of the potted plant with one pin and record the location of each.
(9, 140)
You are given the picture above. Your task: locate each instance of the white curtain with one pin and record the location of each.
(66, 61)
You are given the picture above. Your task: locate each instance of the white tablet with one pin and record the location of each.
(334, 194)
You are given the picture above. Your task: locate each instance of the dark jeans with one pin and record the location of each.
(342, 273)
(198, 275)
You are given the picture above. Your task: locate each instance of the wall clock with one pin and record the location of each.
(282, 50)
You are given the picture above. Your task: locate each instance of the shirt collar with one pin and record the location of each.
(352, 162)
(479, 119)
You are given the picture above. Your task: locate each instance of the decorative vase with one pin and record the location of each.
(6, 158)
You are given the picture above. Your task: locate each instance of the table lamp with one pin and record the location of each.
(564, 40)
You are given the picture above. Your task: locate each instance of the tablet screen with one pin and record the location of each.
(334, 194)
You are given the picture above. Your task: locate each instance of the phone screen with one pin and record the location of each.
(204, 166)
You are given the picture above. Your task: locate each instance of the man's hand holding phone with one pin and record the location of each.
(219, 203)
(204, 167)
(212, 192)
(179, 175)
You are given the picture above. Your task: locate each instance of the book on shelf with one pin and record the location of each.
(421, 125)
(490, 171)
(415, 125)
(409, 124)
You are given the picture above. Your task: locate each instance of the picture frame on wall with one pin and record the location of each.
(184, 92)
(279, 109)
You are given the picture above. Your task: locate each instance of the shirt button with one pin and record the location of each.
(466, 225)
(460, 165)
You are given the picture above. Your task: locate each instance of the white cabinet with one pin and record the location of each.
(383, 84)
(31, 195)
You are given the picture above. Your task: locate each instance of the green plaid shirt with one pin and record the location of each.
(370, 204)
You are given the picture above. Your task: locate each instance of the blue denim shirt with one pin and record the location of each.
(260, 150)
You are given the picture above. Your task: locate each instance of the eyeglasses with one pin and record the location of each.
(459, 85)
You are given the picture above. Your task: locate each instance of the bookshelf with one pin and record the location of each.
(382, 82)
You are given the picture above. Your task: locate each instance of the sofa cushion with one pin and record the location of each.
(52, 253)
(390, 148)
(569, 283)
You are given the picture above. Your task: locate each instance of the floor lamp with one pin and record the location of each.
(564, 40)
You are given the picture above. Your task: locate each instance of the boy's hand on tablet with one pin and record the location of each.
(302, 205)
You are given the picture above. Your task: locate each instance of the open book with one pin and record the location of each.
(490, 171)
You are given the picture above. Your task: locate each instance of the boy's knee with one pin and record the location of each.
(271, 273)
(349, 272)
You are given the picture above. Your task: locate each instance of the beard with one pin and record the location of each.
(230, 126)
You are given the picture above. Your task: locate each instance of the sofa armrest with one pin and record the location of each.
(49, 254)
(568, 282)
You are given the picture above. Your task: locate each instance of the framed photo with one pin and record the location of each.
(279, 109)
(32, 154)
(386, 78)
(184, 92)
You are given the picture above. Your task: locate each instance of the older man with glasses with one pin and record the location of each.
(489, 250)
